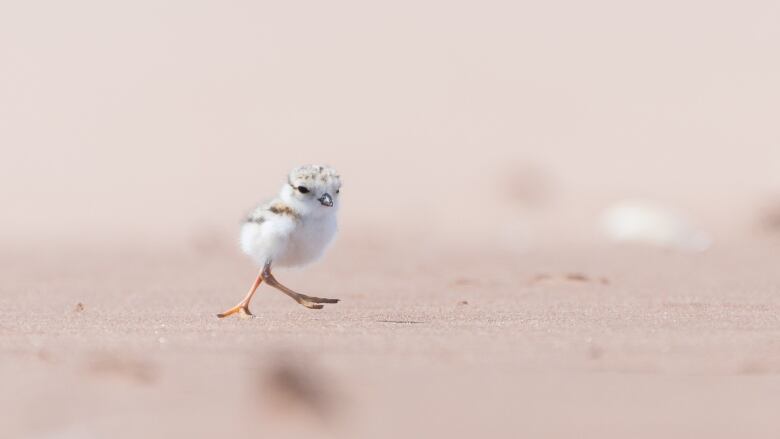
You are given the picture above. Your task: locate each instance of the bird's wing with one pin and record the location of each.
(260, 213)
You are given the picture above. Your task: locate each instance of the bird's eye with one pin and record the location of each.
(338, 190)
(303, 189)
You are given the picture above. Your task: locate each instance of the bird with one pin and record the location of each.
(293, 229)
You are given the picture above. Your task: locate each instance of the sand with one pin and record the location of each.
(593, 341)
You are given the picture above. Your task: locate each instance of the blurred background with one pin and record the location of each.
(461, 122)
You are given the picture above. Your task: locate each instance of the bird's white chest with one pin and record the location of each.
(309, 240)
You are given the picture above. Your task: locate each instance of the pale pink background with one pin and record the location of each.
(167, 120)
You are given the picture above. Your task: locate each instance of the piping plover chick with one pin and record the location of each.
(293, 229)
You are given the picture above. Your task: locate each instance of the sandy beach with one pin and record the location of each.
(596, 341)
(479, 145)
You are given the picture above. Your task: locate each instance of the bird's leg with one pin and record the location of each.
(243, 306)
(307, 301)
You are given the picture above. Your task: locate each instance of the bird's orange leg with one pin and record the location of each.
(307, 301)
(243, 306)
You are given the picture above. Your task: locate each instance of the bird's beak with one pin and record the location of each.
(326, 200)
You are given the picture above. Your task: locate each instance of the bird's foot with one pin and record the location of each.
(314, 302)
(241, 310)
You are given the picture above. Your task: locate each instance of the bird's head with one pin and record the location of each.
(313, 189)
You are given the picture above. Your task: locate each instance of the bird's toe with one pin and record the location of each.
(311, 305)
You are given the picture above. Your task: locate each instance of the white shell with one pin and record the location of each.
(646, 223)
